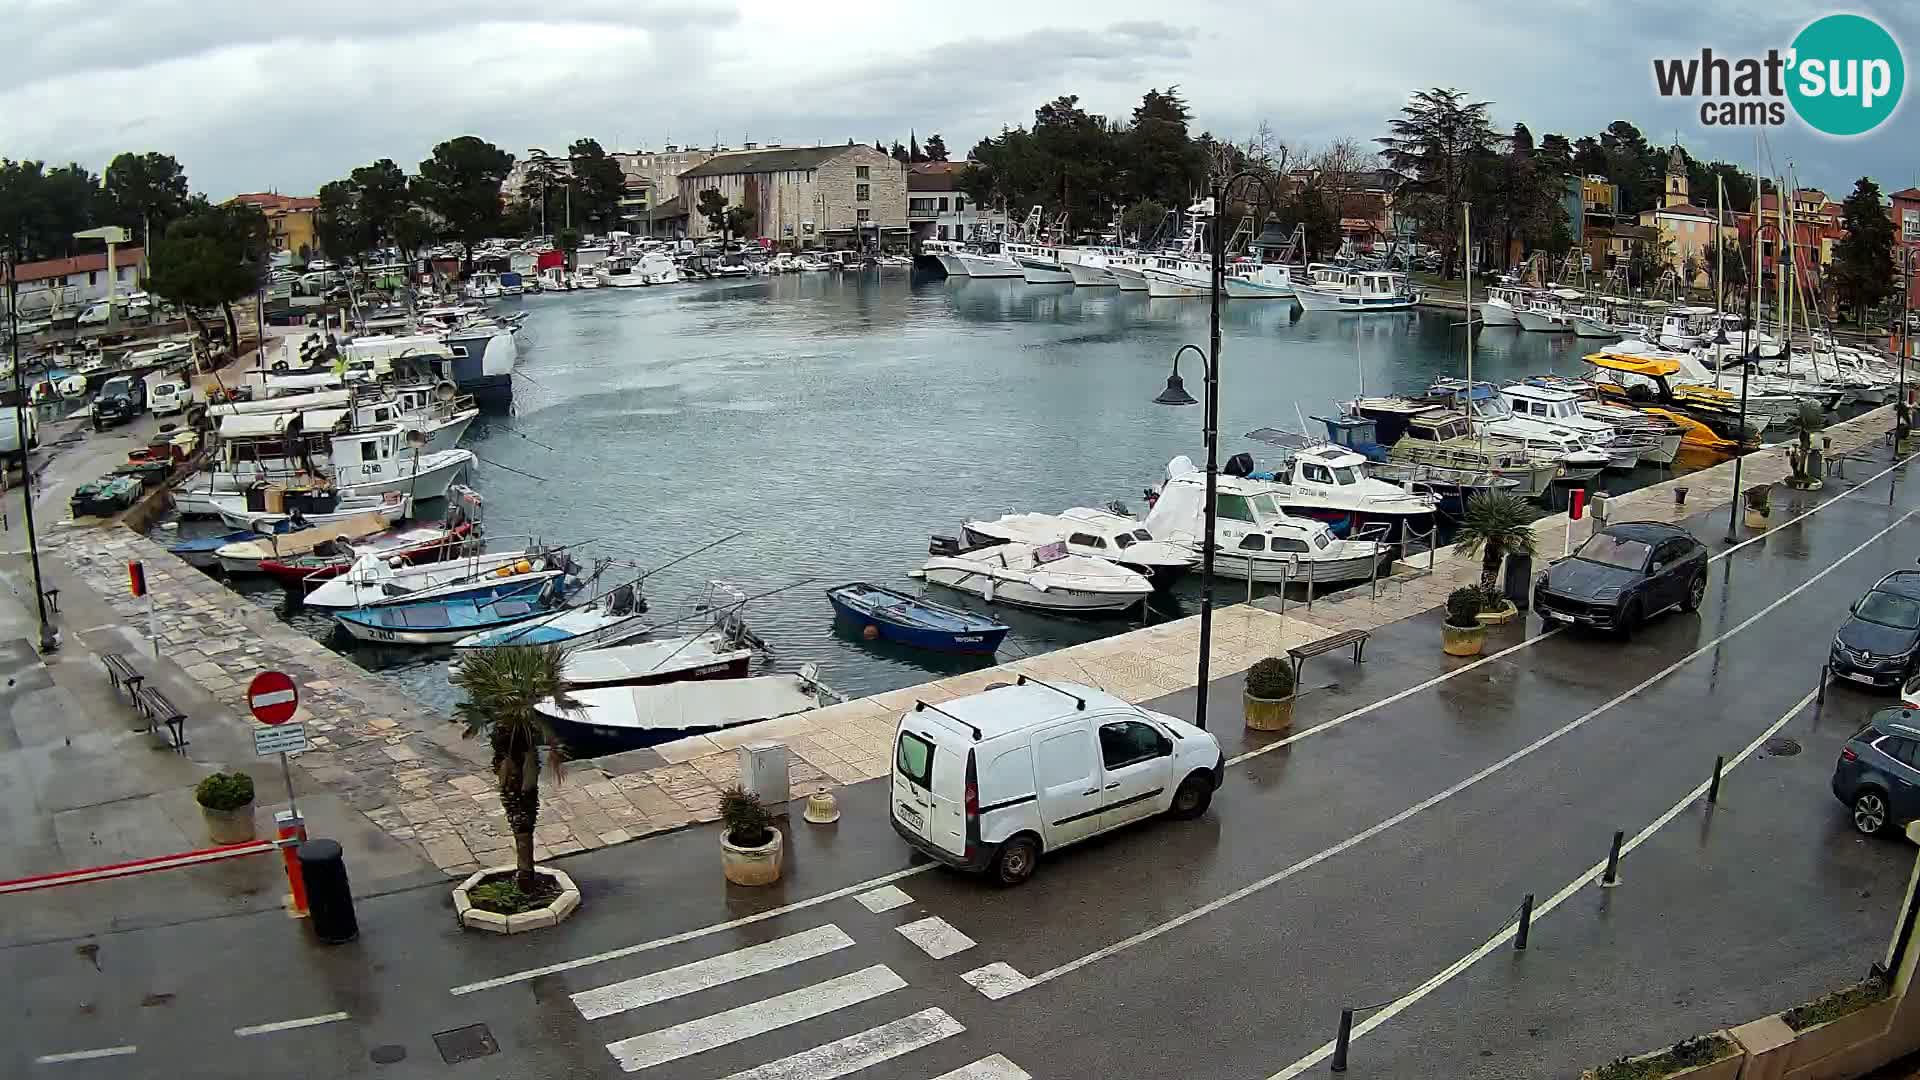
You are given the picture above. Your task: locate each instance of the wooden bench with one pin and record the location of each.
(160, 712)
(1301, 653)
(120, 673)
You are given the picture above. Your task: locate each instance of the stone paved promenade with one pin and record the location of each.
(408, 769)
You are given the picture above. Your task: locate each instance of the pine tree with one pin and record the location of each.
(1863, 261)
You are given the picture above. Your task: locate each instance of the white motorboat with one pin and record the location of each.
(1548, 311)
(1043, 577)
(1097, 534)
(1364, 291)
(245, 556)
(1253, 537)
(483, 285)
(1580, 456)
(1502, 306)
(714, 654)
(811, 264)
(1665, 435)
(988, 262)
(947, 254)
(1090, 270)
(1130, 275)
(586, 277)
(1329, 483)
(1044, 266)
(631, 716)
(391, 507)
(614, 619)
(617, 272)
(657, 268)
(1562, 408)
(372, 580)
(1685, 327)
(1261, 281)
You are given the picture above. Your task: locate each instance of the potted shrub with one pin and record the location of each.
(1268, 700)
(1495, 525)
(1803, 460)
(1462, 634)
(1759, 500)
(1829, 1024)
(226, 801)
(750, 847)
(1705, 1057)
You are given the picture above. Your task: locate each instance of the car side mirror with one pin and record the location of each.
(1657, 567)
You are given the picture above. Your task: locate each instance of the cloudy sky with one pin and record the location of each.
(255, 96)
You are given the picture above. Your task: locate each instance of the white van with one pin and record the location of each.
(168, 393)
(993, 780)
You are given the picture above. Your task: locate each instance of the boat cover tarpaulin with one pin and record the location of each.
(1634, 365)
(679, 706)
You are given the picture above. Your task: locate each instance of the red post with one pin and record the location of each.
(292, 831)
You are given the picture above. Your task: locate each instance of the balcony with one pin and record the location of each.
(922, 215)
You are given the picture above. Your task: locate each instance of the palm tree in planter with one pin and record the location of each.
(502, 686)
(1803, 460)
(1495, 526)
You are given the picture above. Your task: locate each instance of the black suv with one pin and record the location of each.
(1877, 643)
(120, 399)
(1624, 575)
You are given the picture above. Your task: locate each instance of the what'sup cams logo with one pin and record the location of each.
(1843, 76)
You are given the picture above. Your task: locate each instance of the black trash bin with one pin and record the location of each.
(1519, 580)
(329, 897)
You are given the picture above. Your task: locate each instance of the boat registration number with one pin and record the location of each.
(379, 634)
(912, 817)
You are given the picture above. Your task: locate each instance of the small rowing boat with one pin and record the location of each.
(886, 614)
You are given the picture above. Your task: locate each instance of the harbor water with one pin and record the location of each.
(836, 421)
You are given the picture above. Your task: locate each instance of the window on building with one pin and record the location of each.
(863, 192)
(861, 172)
(863, 214)
(1910, 225)
(960, 204)
(93, 277)
(943, 206)
(943, 232)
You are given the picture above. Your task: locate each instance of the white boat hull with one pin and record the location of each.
(1269, 570)
(1165, 286)
(1129, 280)
(1587, 328)
(1317, 300)
(1088, 276)
(1242, 289)
(976, 580)
(1492, 314)
(990, 266)
(1541, 322)
(422, 582)
(1039, 273)
(953, 265)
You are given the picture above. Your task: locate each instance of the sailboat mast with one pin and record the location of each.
(1466, 245)
(1719, 273)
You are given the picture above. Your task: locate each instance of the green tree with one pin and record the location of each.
(936, 147)
(339, 225)
(382, 198)
(914, 156)
(599, 184)
(1863, 272)
(1162, 162)
(899, 153)
(713, 206)
(210, 257)
(147, 193)
(1312, 210)
(1633, 166)
(1495, 525)
(739, 221)
(1438, 142)
(413, 230)
(461, 184)
(502, 689)
(1143, 219)
(568, 241)
(41, 208)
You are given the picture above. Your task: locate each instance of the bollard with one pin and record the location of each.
(1526, 924)
(1713, 790)
(1612, 877)
(1825, 675)
(1340, 1042)
(329, 896)
(291, 830)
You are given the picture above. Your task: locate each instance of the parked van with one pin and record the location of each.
(991, 781)
(168, 392)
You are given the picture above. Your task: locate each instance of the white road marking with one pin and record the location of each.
(1529, 642)
(995, 1067)
(713, 971)
(884, 898)
(690, 935)
(996, 980)
(1507, 934)
(1433, 800)
(289, 1025)
(753, 1018)
(936, 937)
(829, 1061)
(85, 1055)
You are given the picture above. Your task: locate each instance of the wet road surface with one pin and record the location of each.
(1345, 868)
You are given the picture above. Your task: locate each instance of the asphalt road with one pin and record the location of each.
(1346, 868)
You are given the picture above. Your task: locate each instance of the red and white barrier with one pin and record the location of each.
(138, 866)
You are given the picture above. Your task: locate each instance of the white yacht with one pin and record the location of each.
(1097, 534)
(1549, 311)
(617, 272)
(1260, 281)
(1685, 327)
(1090, 269)
(1045, 577)
(373, 580)
(656, 268)
(1044, 265)
(483, 285)
(1363, 291)
(1581, 456)
(1254, 538)
(1502, 305)
(1329, 483)
(1562, 408)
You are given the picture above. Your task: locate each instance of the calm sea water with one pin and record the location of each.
(835, 422)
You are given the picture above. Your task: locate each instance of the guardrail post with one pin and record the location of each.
(1612, 877)
(1341, 1040)
(1526, 924)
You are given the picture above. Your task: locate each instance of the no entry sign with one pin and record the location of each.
(272, 697)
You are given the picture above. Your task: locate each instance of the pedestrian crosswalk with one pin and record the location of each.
(624, 1003)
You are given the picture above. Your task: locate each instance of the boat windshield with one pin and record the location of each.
(1266, 506)
(1889, 609)
(1053, 552)
(1344, 474)
(1615, 551)
(1142, 534)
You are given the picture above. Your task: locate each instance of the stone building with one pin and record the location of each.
(938, 210)
(806, 196)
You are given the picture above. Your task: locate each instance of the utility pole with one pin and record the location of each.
(48, 642)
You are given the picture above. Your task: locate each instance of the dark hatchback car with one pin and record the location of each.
(1624, 575)
(1877, 643)
(1878, 774)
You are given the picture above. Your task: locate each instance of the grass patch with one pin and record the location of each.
(1685, 1054)
(1833, 1006)
(501, 896)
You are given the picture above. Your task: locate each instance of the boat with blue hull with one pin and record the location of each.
(886, 614)
(203, 552)
(448, 619)
(611, 620)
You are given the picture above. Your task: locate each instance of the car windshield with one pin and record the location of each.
(1887, 609)
(116, 386)
(1616, 551)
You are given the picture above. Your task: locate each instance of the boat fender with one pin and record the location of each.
(870, 632)
(523, 567)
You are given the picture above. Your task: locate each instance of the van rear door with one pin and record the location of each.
(929, 781)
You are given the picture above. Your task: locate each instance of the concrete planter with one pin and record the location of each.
(1462, 640)
(1505, 614)
(1755, 519)
(1726, 1068)
(1267, 714)
(553, 914)
(752, 865)
(1824, 1040)
(229, 826)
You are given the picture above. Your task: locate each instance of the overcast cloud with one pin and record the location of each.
(254, 96)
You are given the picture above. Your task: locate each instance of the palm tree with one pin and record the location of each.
(1496, 525)
(502, 686)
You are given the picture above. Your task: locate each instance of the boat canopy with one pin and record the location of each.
(253, 425)
(1634, 365)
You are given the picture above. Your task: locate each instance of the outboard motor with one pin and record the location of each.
(1239, 465)
(943, 546)
(625, 601)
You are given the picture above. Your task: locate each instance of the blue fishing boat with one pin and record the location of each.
(882, 613)
(202, 552)
(445, 620)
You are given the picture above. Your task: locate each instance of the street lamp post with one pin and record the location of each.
(48, 642)
(1749, 359)
(1176, 394)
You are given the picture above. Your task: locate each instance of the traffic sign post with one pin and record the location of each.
(274, 699)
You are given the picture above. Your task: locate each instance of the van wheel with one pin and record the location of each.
(1016, 861)
(1192, 797)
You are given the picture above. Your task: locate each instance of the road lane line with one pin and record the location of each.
(289, 1025)
(85, 1055)
(753, 1018)
(936, 937)
(1433, 800)
(992, 1067)
(996, 980)
(690, 935)
(1573, 887)
(829, 1061)
(884, 898)
(713, 971)
(1529, 642)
